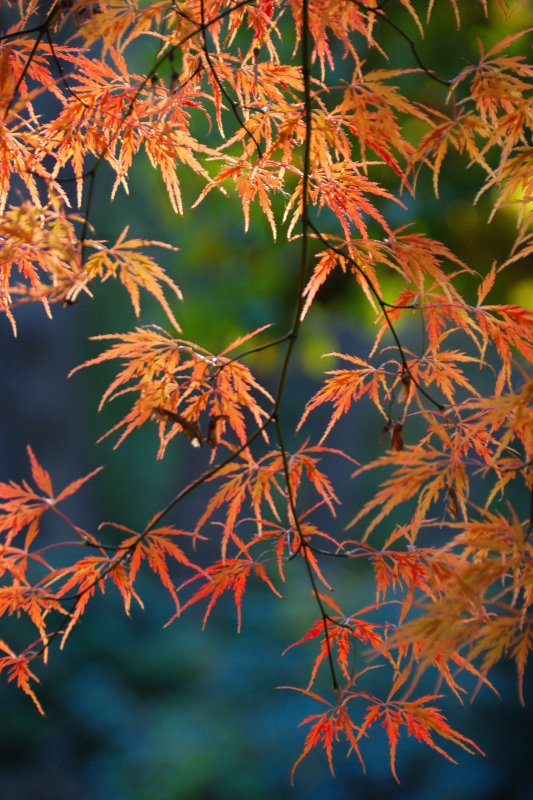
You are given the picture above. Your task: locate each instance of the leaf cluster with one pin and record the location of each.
(325, 153)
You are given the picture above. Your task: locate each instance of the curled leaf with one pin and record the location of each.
(397, 438)
(190, 429)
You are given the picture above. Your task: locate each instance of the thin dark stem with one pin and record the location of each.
(88, 204)
(24, 72)
(40, 30)
(304, 549)
(378, 11)
(252, 350)
(530, 526)
(304, 249)
(220, 85)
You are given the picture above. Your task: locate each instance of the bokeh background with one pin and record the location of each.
(135, 711)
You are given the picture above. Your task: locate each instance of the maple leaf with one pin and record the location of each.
(23, 506)
(19, 670)
(419, 720)
(118, 24)
(221, 576)
(327, 263)
(341, 635)
(250, 182)
(154, 546)
(84, 577)
(35, 601)
(347, 387)
(326, 729)
(133, 269)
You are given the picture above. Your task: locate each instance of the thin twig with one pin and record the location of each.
(378, 11)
